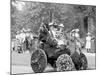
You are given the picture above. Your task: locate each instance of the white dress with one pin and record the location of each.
(88, 42)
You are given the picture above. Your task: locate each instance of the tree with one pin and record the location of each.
(32, 14)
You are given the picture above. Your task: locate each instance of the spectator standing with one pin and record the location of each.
(88, 42)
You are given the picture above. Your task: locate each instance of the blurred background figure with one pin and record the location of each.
(88, 42)
(20, 36)
(24, 36)
(77, 40)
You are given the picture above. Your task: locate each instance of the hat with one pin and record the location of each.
(53, 24)
(50, 24)
(76, 30)
(61, 25)
(88, 33)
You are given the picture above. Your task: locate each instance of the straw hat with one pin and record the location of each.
(88, 33)
(61, 25)
(51, 23)
(75, 30)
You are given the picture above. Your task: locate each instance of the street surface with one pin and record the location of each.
(21, 63)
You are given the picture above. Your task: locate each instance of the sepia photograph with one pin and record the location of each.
(52, 37)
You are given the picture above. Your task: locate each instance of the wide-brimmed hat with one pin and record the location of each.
(51, 23)
(61, 25)
(88, 33)
(75, 30)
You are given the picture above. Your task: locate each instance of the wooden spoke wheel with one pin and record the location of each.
(83, 62)
(80, 61)
(38, 61)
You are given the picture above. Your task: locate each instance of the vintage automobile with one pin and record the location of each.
(53, 48)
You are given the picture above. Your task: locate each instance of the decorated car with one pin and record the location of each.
(53, 48)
